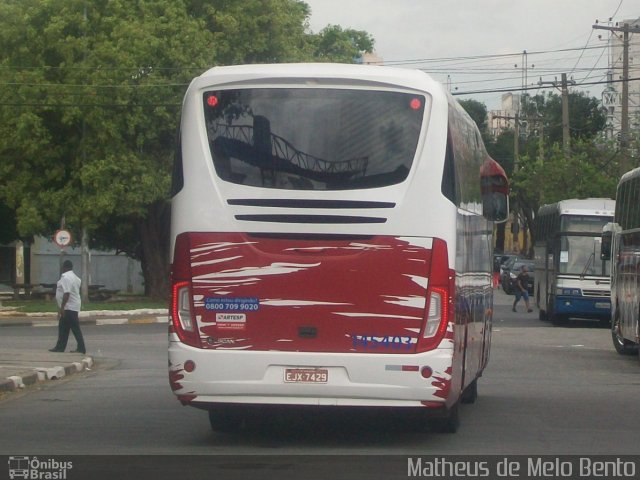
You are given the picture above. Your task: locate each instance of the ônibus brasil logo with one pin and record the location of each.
(33, 468)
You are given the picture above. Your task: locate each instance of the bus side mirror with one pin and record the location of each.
(494, 188)
(496, 207)
(605, 246)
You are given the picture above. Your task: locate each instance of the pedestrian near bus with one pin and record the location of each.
(521, 288)
(69, 303)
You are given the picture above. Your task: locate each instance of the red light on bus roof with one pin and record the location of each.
(212, 100)
(415, 104)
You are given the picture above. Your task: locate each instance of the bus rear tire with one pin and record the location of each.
(225, 419)
(622, 346)
(448, 424)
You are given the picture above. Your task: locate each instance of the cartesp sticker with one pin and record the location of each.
(231, 321)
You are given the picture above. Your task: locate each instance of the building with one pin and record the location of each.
(612, 95)
(370, 59)
(504, 119)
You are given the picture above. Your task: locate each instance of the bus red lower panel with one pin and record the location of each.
(324, 294)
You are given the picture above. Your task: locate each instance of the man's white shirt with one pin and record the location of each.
(69, 283)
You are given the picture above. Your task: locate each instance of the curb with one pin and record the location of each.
(43, 374)
(51, 322)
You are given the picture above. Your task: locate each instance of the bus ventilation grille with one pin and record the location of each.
(336, 219)
(310, 204)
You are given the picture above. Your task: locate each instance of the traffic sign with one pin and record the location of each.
(62, 238)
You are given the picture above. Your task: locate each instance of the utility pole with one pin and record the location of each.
(517, 118)
(624, 120)
(516, 143)
(541, 143)
(564, 89)
(566, 133)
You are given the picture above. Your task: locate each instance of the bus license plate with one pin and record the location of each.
(603, 305)
(306, 375)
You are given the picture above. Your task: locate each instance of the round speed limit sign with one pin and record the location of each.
(62, 238)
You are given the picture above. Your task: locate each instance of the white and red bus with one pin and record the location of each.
(331, 243)
(621, 244)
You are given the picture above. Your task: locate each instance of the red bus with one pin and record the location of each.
(331, 243)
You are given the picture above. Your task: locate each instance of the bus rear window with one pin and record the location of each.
(311, 138)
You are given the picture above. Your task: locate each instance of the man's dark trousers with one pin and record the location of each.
(69, 321)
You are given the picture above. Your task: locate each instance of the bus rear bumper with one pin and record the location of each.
(318, 379)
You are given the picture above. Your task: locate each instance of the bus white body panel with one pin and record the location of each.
(299, 280)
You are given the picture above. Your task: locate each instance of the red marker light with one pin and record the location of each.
(212, 100)
(415, 104)
(189, 366)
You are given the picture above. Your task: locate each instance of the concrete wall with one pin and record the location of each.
(115, 272)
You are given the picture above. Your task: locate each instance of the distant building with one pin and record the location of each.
(504, 119)
(370, 59)
(612, 95)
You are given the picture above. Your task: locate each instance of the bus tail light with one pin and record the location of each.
(182, 316)
(440, 294)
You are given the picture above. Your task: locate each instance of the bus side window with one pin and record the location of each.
(619, 215)
(634, 203)
(449, 182)
(177, 176)
(605, 246)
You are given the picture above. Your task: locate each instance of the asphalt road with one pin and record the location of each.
(547, 391)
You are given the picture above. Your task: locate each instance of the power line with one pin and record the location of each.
(486, 56)
(537, 87)
(93, 105)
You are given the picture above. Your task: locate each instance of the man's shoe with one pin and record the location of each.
(55, 350)
(78, 351)
(514, 309)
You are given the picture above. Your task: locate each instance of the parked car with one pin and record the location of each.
(499, 260)
(510, 271)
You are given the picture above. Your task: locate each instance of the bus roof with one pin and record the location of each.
(316, 72)
(629, 175)
(584, 206)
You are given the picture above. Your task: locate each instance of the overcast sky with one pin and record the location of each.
(433, 35)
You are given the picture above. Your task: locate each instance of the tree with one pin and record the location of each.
(91, 105)
(545, 173)
(586, 115)
(8, 231)
(590, 171)
(477, 111)
(336, 44)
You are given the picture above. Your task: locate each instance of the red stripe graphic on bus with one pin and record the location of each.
(263, 293)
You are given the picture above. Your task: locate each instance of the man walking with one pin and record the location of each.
(69, 302)
(521, 288)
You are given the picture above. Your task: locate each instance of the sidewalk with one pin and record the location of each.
(20, 368)
(11, 318)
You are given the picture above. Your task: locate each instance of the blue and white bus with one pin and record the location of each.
(571, 279)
